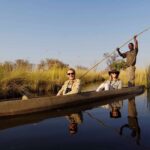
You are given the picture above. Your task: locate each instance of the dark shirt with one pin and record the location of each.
(68, 90)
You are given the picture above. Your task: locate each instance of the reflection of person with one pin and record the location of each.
(74, 120)
(130, 60)
(25, 97)
(71, 86)
(132, 121)
(112, 83)
(114, 108)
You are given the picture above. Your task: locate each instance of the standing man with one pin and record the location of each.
(130, 60)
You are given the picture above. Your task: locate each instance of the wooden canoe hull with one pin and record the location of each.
(20, 107)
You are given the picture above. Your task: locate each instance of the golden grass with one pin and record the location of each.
(49, 81)
(148, 76)
(142, 77)
(41, 81)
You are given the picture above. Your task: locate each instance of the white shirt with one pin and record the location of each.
(110, 85)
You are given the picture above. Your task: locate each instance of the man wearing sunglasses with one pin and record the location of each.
(72, 85)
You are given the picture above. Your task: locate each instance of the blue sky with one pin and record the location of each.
(77, 32)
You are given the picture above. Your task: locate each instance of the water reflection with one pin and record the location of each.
(82, 124)
(114, 108)
(132, 123)
(114, 104)
(74, 120)
(148, 99)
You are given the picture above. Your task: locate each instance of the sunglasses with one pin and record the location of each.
(72, 73)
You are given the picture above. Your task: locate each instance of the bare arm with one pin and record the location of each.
(120, 85)
(135, 42)
(121, 54)
(60, 91)
(101, 87)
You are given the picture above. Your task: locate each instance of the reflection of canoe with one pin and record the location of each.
(17, 120)
(20, 107)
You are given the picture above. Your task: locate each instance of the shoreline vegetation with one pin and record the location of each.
(21, 77)
(46, 78)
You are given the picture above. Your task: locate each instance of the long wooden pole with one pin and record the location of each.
(113, 52)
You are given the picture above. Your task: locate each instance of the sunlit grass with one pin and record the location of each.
(41, 81)
(148, 76)
(141, 76)
(50, 80)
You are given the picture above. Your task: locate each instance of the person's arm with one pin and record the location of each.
(136, 42)
(60, 92)
(121, 128)
(121, 54)
(100, 88)
(120, 84)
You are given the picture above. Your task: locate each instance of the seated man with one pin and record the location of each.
(71, 86)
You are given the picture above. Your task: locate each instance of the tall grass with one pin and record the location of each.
(148, 76)
(142, 77)
(41, 82)
(45, 80)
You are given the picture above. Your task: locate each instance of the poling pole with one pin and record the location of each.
(145, 30)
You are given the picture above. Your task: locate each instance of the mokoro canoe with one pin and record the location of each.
(19, 120)
(33, 105)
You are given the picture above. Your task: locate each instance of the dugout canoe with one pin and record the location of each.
(33, 105)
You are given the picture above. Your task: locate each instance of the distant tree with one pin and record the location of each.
(49, 63)
(42, 65)
(8, 66)
(113, 62)
(23, 64)
(81, 68)
(55, 63)
(118, 65)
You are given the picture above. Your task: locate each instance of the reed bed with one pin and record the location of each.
(148, 76)
(142, 77)
(19, 81)
(40, 82)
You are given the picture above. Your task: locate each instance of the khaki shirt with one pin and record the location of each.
(131, 57)
(76, 87)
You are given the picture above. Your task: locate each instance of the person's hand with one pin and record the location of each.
(135, 37)
(117, 49)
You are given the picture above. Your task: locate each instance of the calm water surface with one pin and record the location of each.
(95, 129)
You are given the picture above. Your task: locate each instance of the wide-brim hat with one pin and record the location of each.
(113, 71)
(115, 114)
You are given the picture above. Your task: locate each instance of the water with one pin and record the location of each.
(94, 129)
